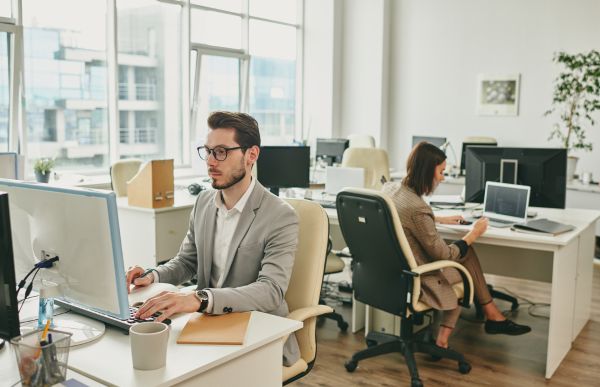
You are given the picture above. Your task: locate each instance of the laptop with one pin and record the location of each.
(505, 204)
(337, 178)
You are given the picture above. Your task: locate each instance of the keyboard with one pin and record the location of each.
(123, 324)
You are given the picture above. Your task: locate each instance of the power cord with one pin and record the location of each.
(28, 290)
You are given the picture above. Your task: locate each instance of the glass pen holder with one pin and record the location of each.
(42, 362)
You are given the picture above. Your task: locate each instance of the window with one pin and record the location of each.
(4, 91)
(65, 70)
(260, 79)
(149, 58)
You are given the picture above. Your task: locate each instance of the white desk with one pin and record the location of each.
(566, 261)
(152, 235)
(108, 360)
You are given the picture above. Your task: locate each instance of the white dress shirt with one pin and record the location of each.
(227, 221)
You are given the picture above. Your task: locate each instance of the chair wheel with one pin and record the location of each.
(371, 343)
(350, 365)
(416, 382)
(464, 367)
(343, 325)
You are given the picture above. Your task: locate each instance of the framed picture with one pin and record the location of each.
(498, 95)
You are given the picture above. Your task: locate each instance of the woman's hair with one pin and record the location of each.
(420, 167)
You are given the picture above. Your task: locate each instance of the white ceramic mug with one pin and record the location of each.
(149, 345)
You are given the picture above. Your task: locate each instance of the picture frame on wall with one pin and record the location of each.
(498, 94)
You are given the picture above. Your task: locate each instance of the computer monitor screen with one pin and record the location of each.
(9, 323)
(437, 141)
(81, 227)
(543, 169)
(283, 167)
(331, 150)
(465, 145)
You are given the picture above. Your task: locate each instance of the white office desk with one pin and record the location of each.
(566, 261)
(148, 235)
(108, 360)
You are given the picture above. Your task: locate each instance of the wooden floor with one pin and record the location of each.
(496, 360)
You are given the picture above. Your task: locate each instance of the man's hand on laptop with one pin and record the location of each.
(137, 276)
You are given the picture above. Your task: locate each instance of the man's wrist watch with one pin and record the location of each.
(202, 295)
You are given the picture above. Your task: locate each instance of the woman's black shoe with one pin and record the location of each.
(506, 327)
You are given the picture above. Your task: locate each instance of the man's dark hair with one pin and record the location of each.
(420, 167)
(246, 127)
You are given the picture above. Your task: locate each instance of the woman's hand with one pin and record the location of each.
(454, 219)
(478, 229)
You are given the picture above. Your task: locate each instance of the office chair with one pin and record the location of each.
(361, 141)
(121, 172)
(481, 140)
(373, 160)
(387, 277)
(303, 292)
(334, 264)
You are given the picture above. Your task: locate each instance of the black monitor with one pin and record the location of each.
(331, 150)
(283, 167)
(437, 141)
(9, 323)
(465, 145)
(543, 169)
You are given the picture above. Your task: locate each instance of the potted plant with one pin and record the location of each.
(576, 96)
(43, 168)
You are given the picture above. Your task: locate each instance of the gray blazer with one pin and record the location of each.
(259, 263)
(418, 223)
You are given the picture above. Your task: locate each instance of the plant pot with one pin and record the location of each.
(571, 167)
(42, 177)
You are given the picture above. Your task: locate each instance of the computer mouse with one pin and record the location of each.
(465, 222)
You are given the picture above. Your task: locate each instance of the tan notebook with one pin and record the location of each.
(229, 329)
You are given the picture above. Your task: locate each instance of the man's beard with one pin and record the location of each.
(236, 177)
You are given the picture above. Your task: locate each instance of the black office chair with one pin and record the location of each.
(386, 276)
(332, 266)
(499, 295)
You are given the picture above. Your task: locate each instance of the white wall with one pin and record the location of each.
(438, 47)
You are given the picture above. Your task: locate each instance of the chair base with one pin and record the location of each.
(407, 344)
(499, 295)
(341, 323)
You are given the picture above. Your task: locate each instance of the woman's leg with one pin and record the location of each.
(449, 318)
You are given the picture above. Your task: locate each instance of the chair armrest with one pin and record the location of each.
(310, 311)
(437, 265)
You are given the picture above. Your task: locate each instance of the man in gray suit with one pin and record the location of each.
(241, 240)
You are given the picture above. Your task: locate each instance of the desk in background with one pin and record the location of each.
(565, 261)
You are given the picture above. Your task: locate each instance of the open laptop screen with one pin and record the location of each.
(506, 201)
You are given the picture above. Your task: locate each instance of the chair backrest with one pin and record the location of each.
(361, 141)
(307, 275)
(481, 140)
(373, 160)
(380, 251)
(121, 172)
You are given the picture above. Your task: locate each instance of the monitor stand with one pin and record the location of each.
(82, 328)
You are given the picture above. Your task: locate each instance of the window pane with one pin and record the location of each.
(149, 52)
(272, 40)
(219, 89)
(5, 8)
(4, 91)
(282, 10)
(227, 5)
(66, 82)
(273, 80)
(216, 29)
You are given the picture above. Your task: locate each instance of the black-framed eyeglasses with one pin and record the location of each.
(218, 152)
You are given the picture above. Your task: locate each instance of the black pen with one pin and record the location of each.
(146, 272)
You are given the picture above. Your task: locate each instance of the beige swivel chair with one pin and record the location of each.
(373, 160)
(304, 289)
(481, 140)
(386, 276)
(121, 172)
(361, 141)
